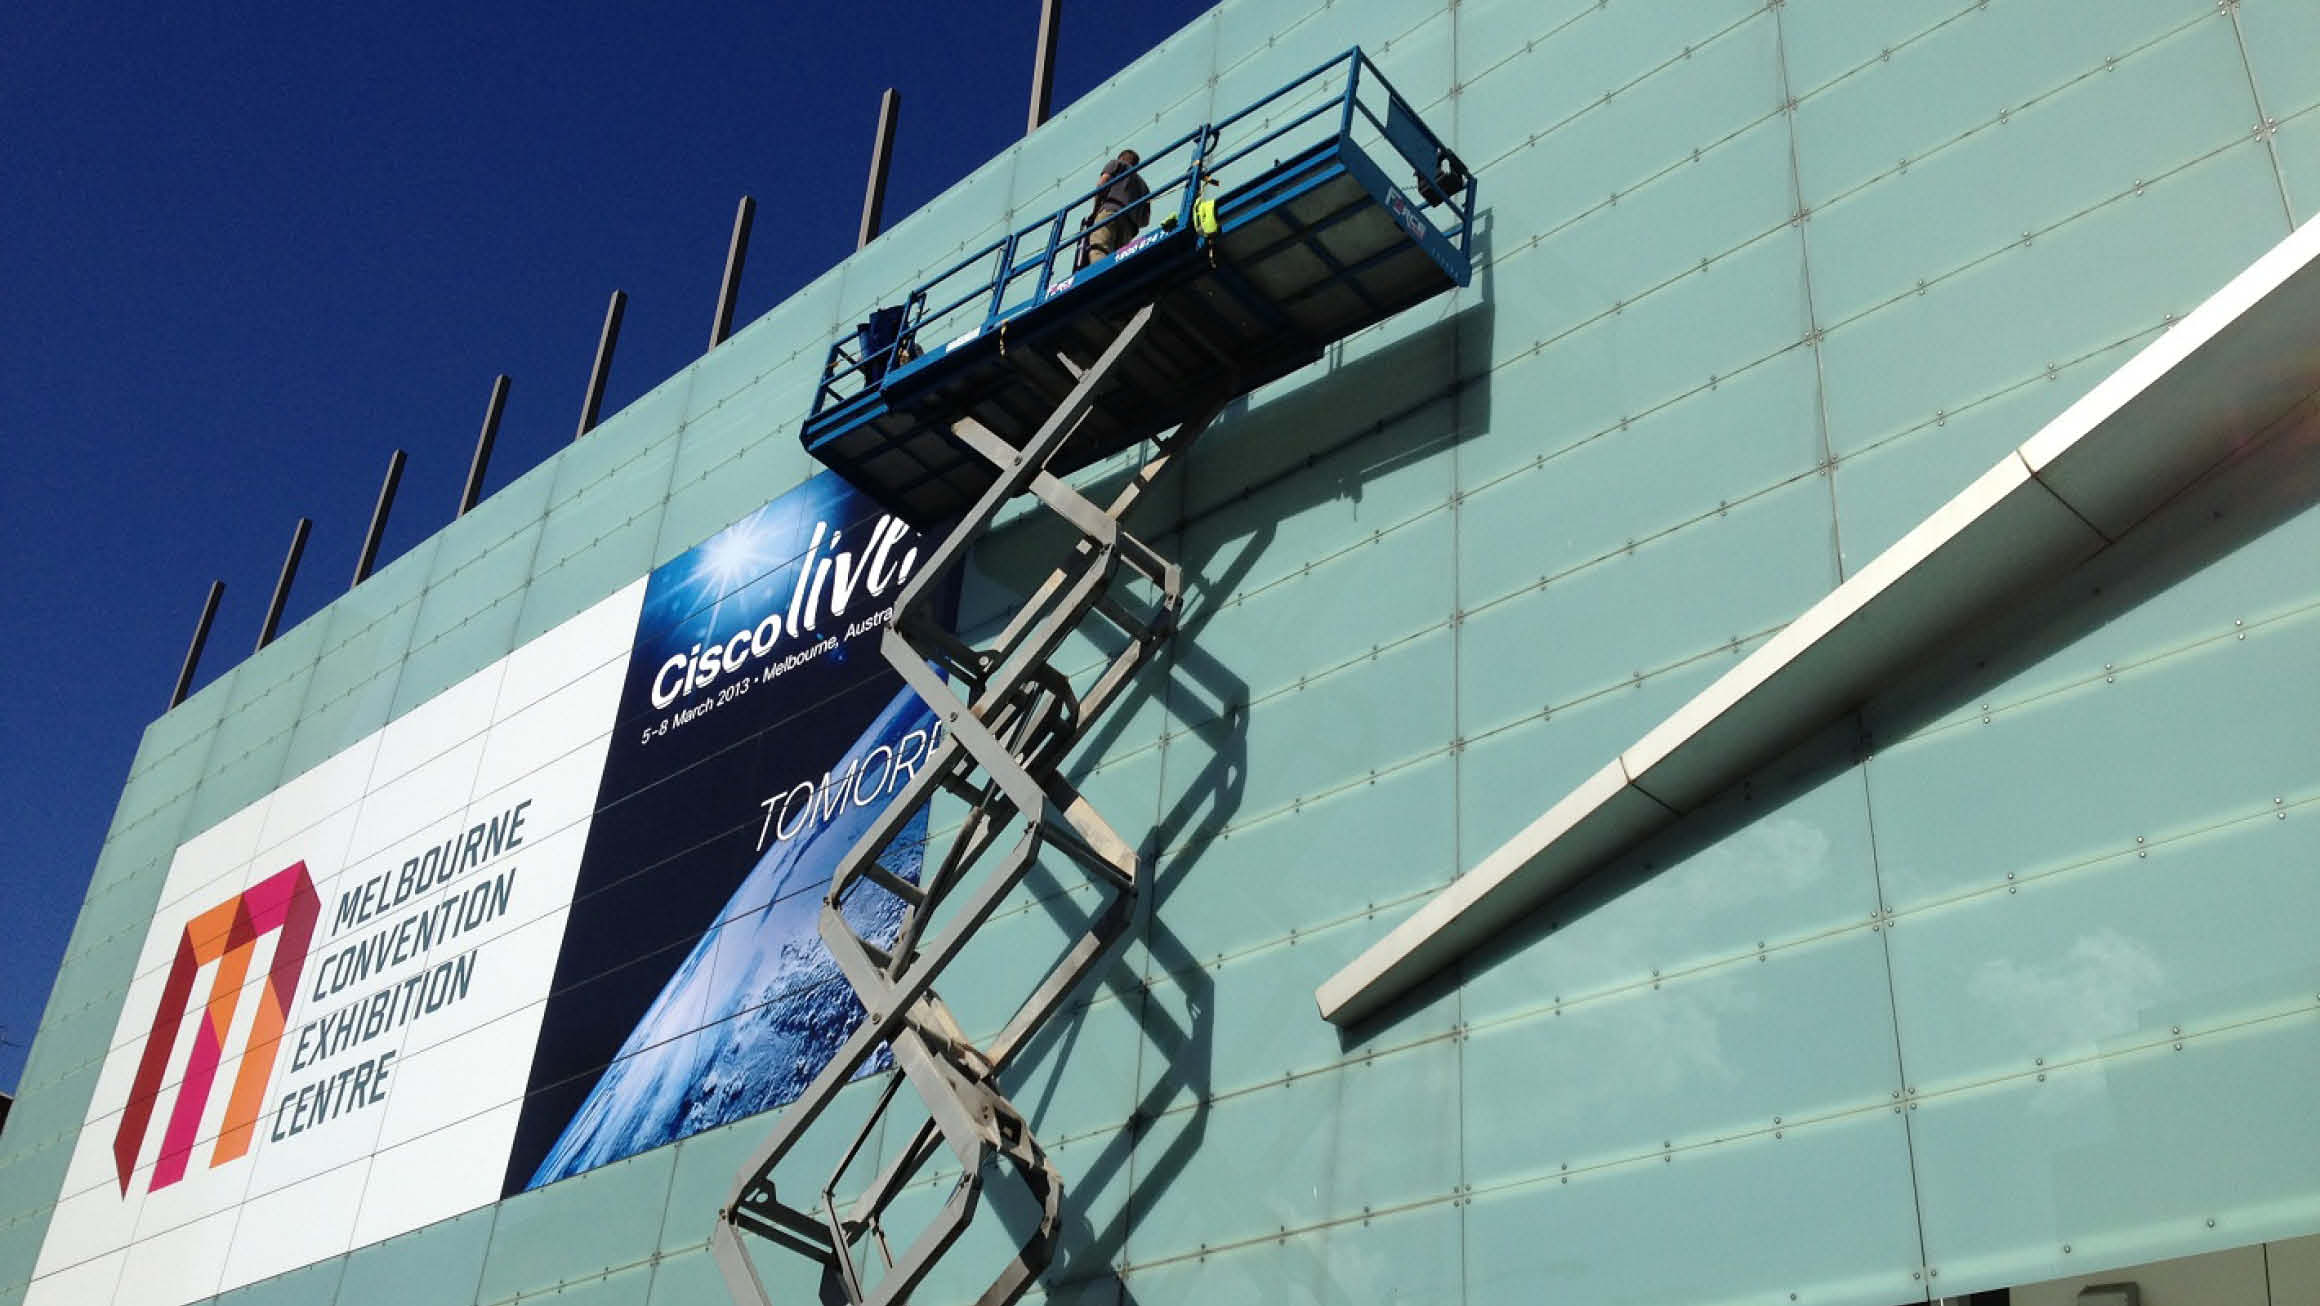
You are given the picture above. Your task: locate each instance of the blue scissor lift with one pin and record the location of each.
(1321, 209)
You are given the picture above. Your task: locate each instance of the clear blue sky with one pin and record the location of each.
(244, 255)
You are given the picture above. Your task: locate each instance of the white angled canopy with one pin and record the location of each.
(2222, 376)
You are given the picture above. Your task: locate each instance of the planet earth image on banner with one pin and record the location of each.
(759, 1007)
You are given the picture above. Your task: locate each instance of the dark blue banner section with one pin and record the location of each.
(759, 733)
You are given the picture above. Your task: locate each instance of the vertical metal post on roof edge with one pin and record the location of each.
(728, 290)
(1043, 64)
(881, 154)
(473, 492)
(282, 585)
(217, 590)
(386, 504)
(598, 374)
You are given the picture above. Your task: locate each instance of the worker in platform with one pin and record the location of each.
(1121, 208)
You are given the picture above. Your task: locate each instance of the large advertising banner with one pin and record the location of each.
(560, 913)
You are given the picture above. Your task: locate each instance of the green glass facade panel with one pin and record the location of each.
(1886, 487)
(140, 849)
(793, 334)
(2122, 1157)
(352, 693)
(971, 214)
(1706, 125)
(438, 1265)
(125, 909)
(1412, 1256)
(2004, 318)
(1318, 1148)
(1276, 499)
(30, 1170)
(1676, 344)
(624, 1287)
(686, 1279)
(1521, 753)
(611, 450)
(1405, 369)
(739, 443)
(2082, 774)
(179, 737)
(253, 740)
(1383, 841)
(1102, 1175)
(475, 584)
(72, 1042)
(1016, 947)
(2274, 32)
(1574, 507)
(1776, 865)
(94, 972)
(1078, 1077)
(2198, 935)
(1824, 1211)
(96, 968)
(2297, 146)
(1305, 743)
(598, 537)
(1315, 620)
(2256, 559)
(1414, 48)
(992, 1239)
(169, 774)
(19, 1245)
(1746, 571)
(52, 1111)
(2257, 555)
(2168, 105)
(468, 619)
(1828, 40)
(531, 1240)
(1716, 1052)
(1917, 101)
(1647, 242)
(1233, 1042)
(1104, 1288)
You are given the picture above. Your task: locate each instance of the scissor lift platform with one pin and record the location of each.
(1301, 251)
(1252, 271)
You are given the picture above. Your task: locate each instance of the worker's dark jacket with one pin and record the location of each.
(1126, 194)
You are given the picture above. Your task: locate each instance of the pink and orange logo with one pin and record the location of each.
(228, 935)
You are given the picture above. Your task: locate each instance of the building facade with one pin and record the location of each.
(2001, 981)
